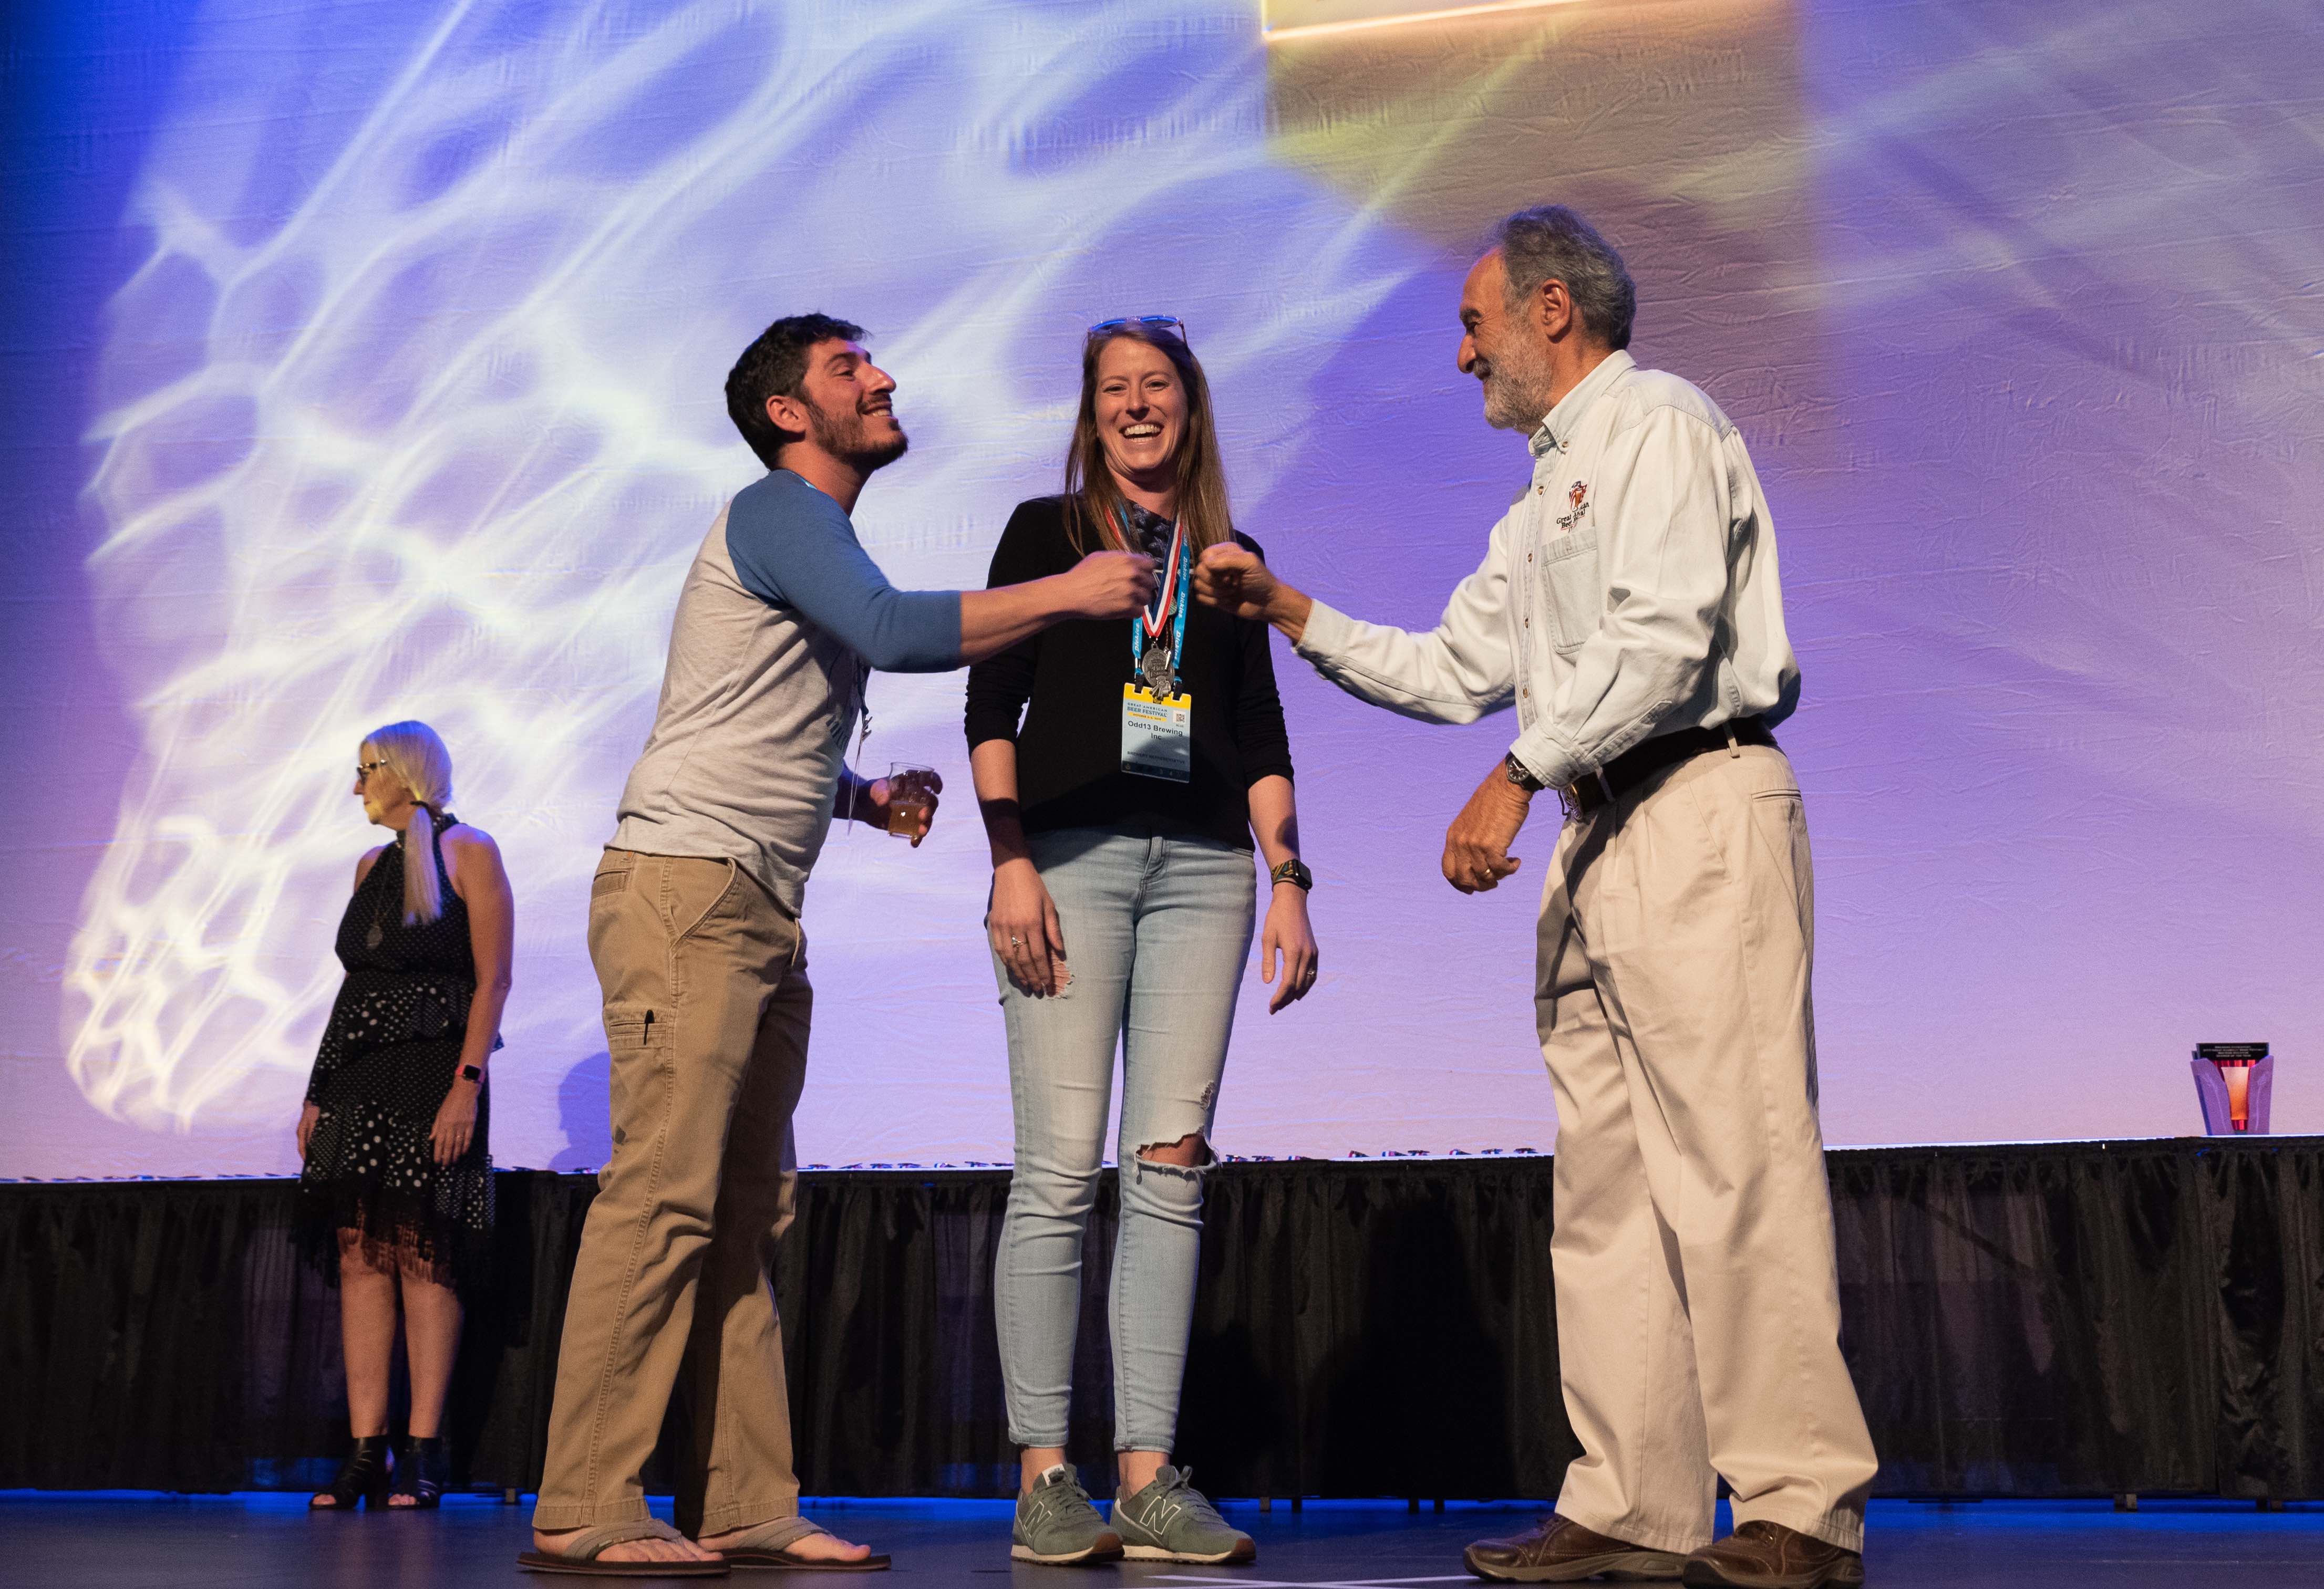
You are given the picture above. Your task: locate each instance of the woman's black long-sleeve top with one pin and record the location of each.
(1069, 746)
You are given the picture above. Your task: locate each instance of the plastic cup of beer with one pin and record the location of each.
(909, 787)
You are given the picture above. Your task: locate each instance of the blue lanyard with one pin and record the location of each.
(1183, 576)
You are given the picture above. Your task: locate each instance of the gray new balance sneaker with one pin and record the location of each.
(1169, 1521)
(1056, 1524)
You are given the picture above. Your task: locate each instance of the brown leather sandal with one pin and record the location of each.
(767, 1545)
(580, 1555)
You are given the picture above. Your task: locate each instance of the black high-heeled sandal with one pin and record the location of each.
(362, 1476)
(423, 1468)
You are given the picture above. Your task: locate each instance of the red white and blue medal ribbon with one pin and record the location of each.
(1169, 607)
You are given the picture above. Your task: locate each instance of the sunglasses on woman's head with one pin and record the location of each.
(1170, 323)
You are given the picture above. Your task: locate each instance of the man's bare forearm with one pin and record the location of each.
(1103, 584)
(990, 621)
(1287, 609)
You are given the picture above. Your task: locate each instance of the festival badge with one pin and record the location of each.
(1158, 738)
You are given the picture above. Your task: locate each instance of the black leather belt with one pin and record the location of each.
(1635, 765)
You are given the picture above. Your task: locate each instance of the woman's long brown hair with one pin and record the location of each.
(1093, 500)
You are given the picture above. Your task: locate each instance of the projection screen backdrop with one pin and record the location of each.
(394, 359)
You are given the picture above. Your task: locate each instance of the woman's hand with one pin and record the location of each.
(455, 1121)
(306, 1118)
(1287, 943)
(1022, 922)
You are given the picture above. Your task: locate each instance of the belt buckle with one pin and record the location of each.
(1569, 795)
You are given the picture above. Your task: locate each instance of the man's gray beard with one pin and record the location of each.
(1517, 397)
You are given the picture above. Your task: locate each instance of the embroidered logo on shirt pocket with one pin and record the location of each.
(1571, 590)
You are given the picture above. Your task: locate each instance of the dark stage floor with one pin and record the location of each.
(132, 1541)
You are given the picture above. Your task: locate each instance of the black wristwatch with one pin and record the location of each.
(1522, 776)
(472, 1072)
(1294, 870)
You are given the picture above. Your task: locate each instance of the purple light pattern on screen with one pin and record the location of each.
(411, 409)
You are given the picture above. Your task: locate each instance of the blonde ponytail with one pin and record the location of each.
(413, 753)
(423, 891)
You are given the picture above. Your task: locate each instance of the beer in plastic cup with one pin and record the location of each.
(908, 797)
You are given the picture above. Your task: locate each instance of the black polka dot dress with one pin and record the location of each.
(387, 1061)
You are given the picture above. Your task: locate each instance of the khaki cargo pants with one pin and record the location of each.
(706, 1012)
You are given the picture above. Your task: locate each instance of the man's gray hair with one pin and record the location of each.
(1549, 242)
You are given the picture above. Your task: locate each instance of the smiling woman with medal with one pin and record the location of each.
(1122, 812)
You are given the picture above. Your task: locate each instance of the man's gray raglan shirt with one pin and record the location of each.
(782, 617)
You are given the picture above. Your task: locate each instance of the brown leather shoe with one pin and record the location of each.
(1768, 1556)
(1559, 1550)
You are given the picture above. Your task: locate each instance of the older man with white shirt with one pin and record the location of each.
(1628, 607)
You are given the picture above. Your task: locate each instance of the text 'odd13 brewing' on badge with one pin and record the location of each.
(1157, 735)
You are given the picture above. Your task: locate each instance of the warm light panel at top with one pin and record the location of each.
(1281, 19)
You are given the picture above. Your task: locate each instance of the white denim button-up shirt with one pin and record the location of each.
(1629, 592)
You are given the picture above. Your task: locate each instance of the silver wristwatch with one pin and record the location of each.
(1522, 776)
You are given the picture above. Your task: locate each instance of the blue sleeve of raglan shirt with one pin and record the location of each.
(794, 547)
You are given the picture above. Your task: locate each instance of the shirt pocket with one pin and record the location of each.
(1571, 594)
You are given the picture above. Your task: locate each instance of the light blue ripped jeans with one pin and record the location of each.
(1157, 930)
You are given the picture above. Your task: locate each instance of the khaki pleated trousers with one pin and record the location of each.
(1698, 1304)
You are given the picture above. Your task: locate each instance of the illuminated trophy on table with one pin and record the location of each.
(2232, 1079)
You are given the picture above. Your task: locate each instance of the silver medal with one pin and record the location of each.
(1155, 669)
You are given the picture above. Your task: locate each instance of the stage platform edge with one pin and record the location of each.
(2072, 1319)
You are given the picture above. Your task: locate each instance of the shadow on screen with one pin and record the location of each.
(584, 1114)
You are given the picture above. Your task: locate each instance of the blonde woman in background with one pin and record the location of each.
(397, 1177)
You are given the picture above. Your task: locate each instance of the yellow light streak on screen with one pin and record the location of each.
(1282, 19)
